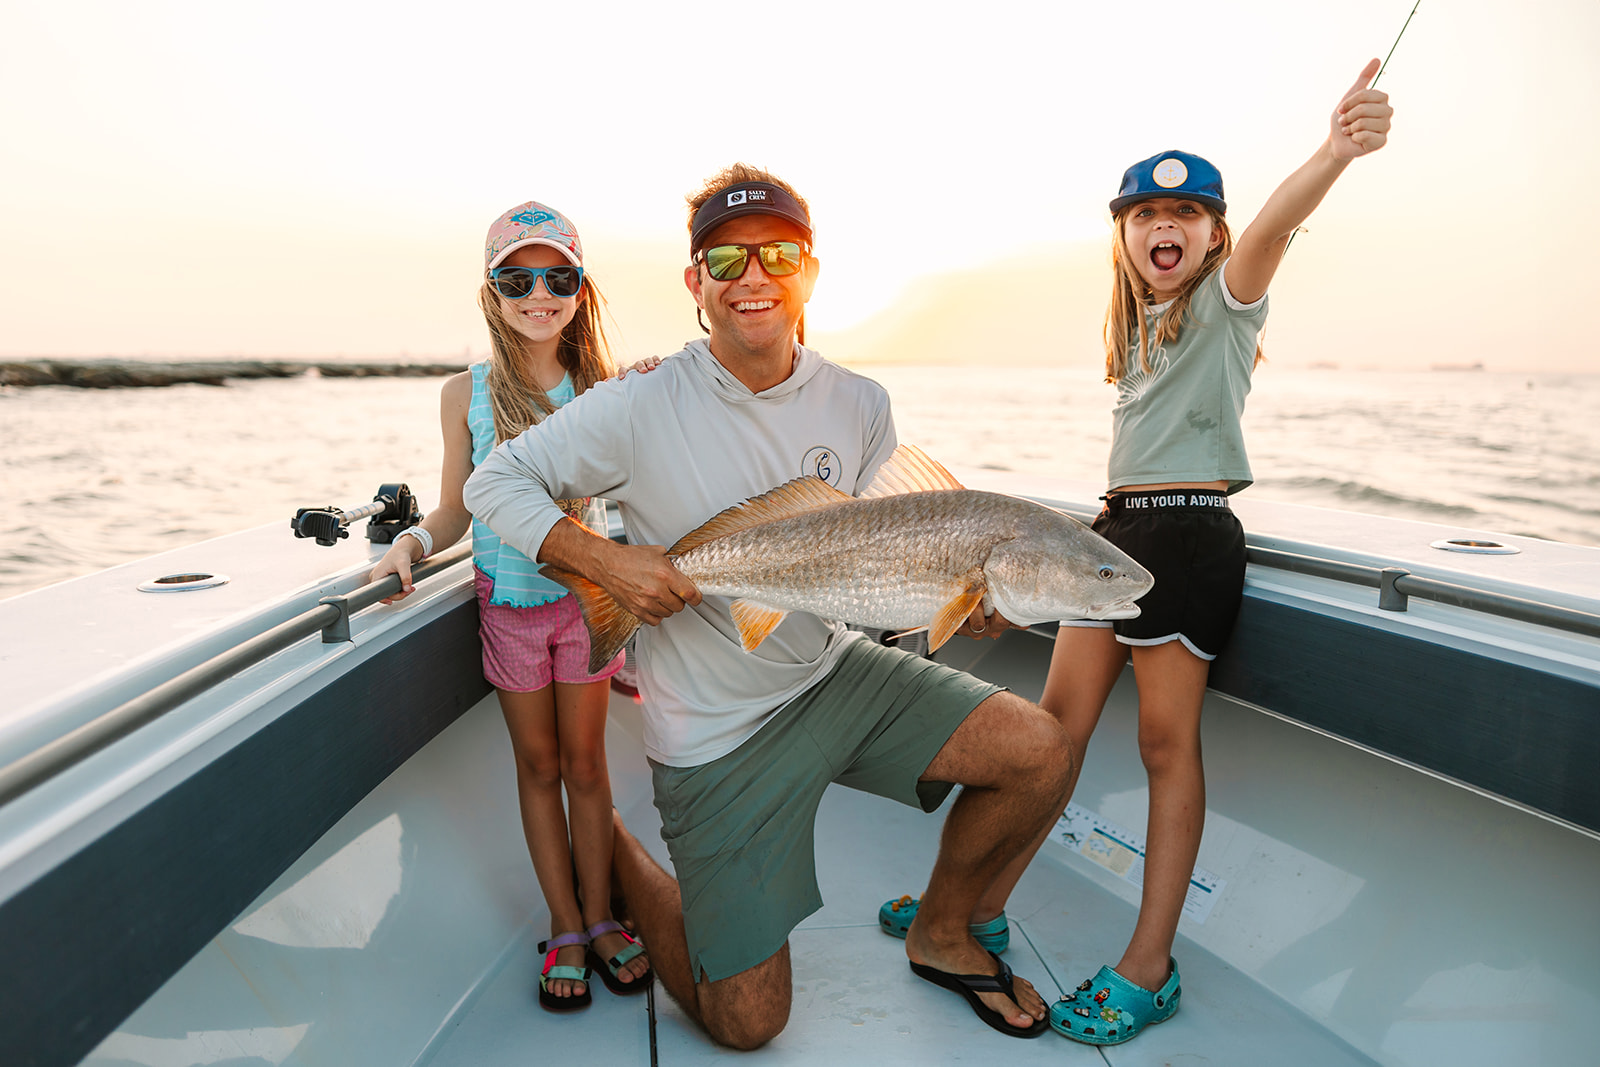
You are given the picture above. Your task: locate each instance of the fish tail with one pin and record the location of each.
(609, 624)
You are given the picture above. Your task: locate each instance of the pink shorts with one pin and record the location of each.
(525, 649)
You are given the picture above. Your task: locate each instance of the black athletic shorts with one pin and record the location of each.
(1194, 546)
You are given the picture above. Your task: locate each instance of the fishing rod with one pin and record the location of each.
(1402, 33)
(1373, 85)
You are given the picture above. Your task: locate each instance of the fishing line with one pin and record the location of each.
(1373, 85)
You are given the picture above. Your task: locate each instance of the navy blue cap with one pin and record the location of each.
(1171, 175)
(746, 198)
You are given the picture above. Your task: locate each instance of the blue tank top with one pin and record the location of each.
(517, 581)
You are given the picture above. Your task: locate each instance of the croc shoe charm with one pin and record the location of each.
(895, 919)
(1108, 1009)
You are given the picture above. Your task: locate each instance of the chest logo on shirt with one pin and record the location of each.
(822, 462)
(1137, 380)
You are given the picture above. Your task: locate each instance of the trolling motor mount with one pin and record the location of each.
(391, 512)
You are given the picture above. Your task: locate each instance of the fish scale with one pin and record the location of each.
(890, 562)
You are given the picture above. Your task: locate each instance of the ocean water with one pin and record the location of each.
(92, 478)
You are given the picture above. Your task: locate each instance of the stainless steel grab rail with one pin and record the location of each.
(331, 616)
(1396, 585)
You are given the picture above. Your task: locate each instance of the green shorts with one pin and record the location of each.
(740, 828)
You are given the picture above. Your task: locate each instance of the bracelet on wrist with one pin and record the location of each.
(423, 538)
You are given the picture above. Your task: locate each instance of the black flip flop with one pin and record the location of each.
(970, 985)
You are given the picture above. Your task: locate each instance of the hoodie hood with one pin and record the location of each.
(730, 388)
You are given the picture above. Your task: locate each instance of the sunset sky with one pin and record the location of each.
(310, 178)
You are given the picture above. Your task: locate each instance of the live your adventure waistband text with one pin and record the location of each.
(1175, 499)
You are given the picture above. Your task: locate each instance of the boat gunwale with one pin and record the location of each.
(65, 751)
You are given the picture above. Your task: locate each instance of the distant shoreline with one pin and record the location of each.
(142, 374)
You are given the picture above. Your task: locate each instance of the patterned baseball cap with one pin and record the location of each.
(532, 223)
(1172, 175)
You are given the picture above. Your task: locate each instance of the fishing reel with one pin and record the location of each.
(391, 512)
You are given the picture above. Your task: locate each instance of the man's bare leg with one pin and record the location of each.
(743, 1011)
(1014, 762)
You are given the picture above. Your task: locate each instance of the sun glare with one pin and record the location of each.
(299, 179)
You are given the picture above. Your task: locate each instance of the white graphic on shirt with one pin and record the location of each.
(1133, 384)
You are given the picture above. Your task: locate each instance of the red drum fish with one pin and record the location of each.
(916, 549)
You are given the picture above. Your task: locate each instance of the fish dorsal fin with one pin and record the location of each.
(909, 470)
(792, 498)
(755, 621)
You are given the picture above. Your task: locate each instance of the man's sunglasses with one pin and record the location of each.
(729, 262)
(514, 283)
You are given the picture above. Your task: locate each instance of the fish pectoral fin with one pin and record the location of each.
(755, 621)
(609, 623)
(953, 614)
(799, 496)
(909, 470)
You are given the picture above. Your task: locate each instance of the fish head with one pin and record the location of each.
(1055, 568)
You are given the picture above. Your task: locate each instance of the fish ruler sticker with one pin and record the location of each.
(1103, 842)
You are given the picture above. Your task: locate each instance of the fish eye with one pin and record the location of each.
(1107, 573)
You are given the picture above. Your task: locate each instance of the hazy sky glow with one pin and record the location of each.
(310, 178)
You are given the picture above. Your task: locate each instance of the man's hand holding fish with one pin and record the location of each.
(639, 578)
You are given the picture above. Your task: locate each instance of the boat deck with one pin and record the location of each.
(1365, 913)
(1350, 906)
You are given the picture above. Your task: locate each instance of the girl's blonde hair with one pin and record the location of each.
(582, 351)
(1130, 295)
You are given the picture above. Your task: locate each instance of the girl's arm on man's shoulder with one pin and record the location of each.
(1359, 126)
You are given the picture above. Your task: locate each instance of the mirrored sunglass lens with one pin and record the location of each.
(726, 261)
(780, 258)
(514, 283)
(562, 281)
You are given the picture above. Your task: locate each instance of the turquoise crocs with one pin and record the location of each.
(1108, 1009)
(895, 917)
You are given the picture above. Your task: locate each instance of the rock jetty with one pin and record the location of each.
(132, 374)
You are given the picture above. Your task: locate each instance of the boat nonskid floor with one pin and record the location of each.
(856, 1001)
(407, 934)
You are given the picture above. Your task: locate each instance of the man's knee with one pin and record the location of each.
(746, 1031)
(1039, 742)
(748, 1009)
(1051, 751)
(1006, 742)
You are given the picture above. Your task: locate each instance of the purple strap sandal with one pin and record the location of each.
(549, 1000)
(608, 969)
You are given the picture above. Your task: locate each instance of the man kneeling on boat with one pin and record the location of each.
(743, 744)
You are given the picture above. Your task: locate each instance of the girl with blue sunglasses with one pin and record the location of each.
(547, 347)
